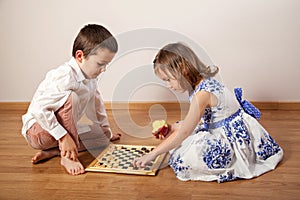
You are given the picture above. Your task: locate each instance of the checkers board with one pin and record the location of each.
(117, 158)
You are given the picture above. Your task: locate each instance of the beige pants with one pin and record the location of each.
(40, 139)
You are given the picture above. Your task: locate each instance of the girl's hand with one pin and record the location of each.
(68, 147)
(162, 137)
(115, 136)
(172, 128)
(144, 160)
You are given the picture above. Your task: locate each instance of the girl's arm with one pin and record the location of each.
(200, 101)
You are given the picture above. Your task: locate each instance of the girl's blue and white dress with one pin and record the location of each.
(229, 144)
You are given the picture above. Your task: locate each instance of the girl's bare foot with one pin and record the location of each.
(72, 167)
(42, 155)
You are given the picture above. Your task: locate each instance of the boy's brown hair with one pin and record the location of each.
(94, 36)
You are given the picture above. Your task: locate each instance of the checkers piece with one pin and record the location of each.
(118, 158)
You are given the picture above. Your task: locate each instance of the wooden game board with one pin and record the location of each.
(118, 158)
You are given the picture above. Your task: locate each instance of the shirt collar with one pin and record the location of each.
(79, 75)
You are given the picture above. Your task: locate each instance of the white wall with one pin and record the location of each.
(256, 43)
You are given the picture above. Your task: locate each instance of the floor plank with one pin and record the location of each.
(19, 179)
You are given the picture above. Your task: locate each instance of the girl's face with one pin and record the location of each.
(170, 80)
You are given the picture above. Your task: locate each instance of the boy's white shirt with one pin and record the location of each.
(54, 91)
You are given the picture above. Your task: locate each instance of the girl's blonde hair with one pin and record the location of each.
(182, 63)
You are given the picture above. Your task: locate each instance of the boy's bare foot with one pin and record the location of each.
(42, 155)
(72, 167)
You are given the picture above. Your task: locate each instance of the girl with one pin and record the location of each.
(219, 139)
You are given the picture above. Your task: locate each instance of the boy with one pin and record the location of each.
(67, 93)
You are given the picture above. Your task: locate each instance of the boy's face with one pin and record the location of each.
(94, 65)
(170, 80)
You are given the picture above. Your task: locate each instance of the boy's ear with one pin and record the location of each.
(79, 55)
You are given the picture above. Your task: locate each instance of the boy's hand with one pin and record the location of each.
(68, 147)
(115, 136)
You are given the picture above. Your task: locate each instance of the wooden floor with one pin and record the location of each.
(19, 179)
